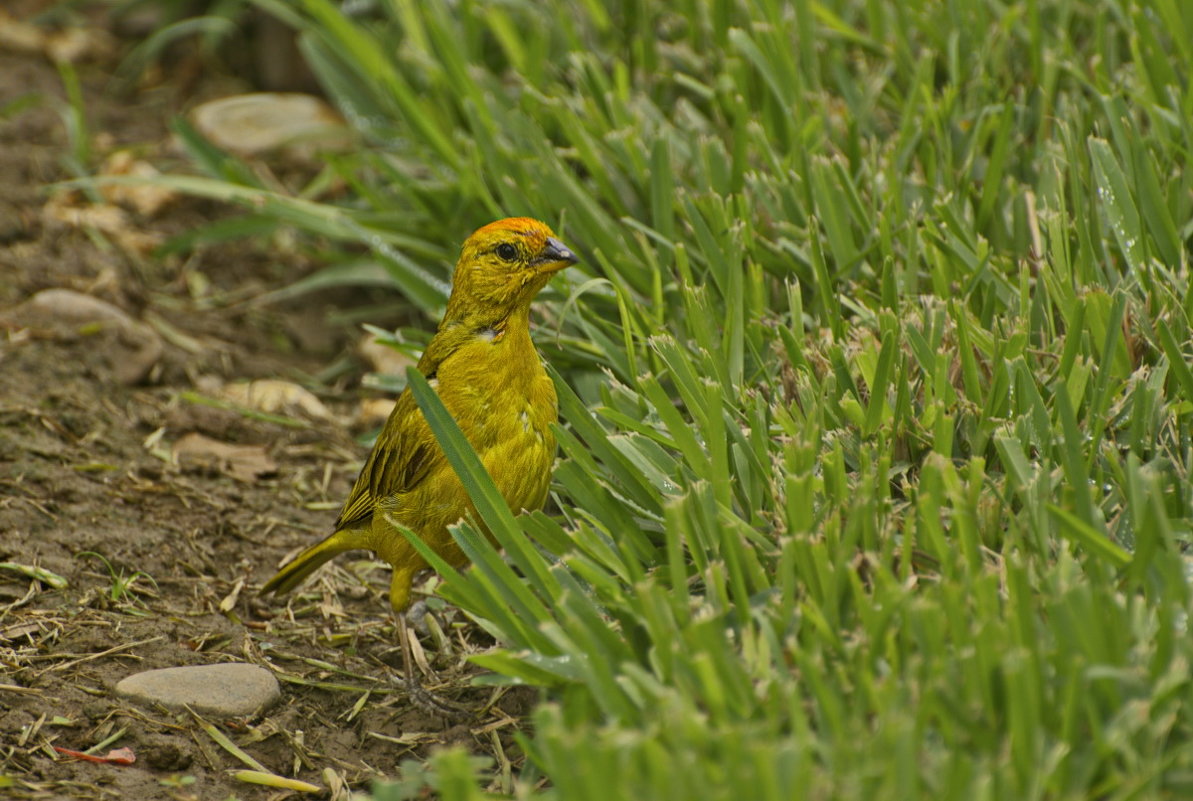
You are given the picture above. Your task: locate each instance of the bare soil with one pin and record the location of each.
(162, 556)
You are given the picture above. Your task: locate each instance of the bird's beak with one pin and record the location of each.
(554, 256)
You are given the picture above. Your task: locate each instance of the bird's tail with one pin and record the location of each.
(309, 560)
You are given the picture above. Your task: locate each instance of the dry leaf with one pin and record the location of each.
(19, 36)
(71, 209)
(247, 463)
(146, 199)
(382, 358)
(117, 756)
(19, 630)
(68, 44)
(75, 44)
(273, 396)
(374, 411)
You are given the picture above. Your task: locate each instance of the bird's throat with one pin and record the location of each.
(483, 322)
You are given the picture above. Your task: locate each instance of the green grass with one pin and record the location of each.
(875, 379)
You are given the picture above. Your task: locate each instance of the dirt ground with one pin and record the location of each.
(161, 543)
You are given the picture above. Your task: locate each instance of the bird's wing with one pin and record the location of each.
(405, 450)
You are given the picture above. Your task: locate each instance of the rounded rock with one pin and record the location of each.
(231, 689)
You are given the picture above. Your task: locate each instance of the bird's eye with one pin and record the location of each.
(507, 251)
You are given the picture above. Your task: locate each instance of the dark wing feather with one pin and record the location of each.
(400, 457)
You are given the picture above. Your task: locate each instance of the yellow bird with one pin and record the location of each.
(488, 374)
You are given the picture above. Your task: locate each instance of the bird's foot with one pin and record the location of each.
(427, 701)
(419, 696)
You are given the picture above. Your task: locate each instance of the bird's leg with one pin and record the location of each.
(419, 695)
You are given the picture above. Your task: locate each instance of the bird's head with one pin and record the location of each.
(503, 266)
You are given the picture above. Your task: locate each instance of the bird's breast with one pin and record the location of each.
(505, 403)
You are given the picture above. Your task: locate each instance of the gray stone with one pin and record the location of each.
(231, 689)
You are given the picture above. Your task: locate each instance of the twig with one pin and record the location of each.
(101, 654)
